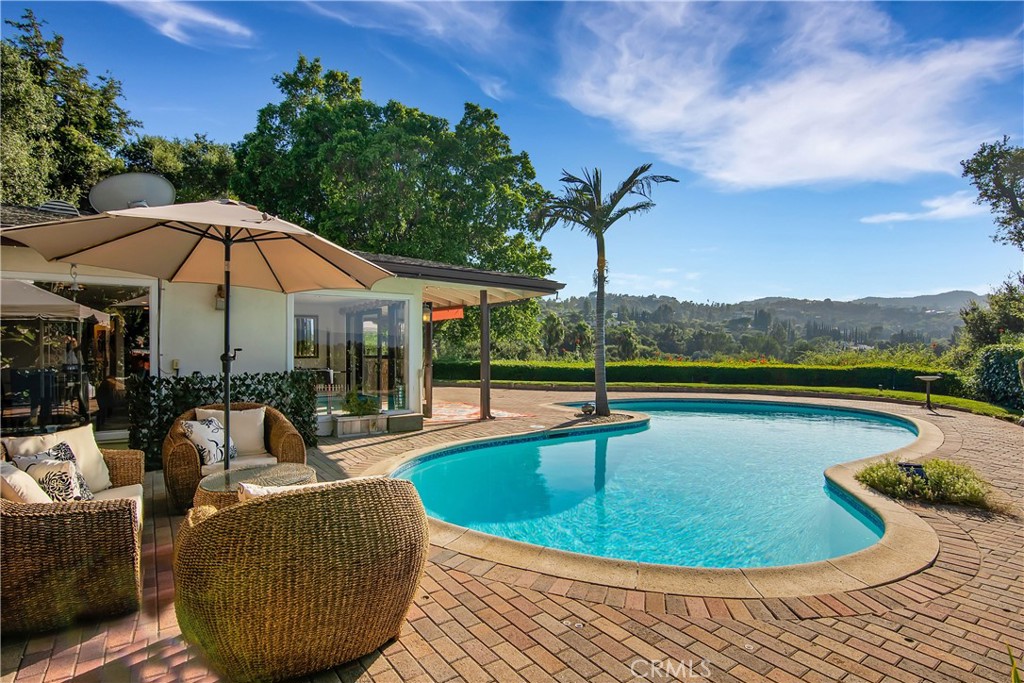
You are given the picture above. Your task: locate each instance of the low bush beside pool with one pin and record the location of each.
(944, 482)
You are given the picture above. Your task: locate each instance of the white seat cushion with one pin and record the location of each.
(247, 491)
(132, 491)
(82, 441)
(240, 463)
(246, 428)
(20, 487)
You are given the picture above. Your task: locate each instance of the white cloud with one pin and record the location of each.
(187, 23)
(949, 207)
(479, 26)
(494, 87)
(779, 94)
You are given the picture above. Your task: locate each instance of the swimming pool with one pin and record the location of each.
(706, 484)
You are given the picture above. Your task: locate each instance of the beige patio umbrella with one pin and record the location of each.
(212, 242)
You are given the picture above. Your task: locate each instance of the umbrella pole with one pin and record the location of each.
(228, 356)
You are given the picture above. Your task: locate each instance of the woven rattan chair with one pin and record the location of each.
(66, 561)
(297, 582)
(182, 466)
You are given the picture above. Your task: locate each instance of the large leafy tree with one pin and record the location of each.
(392, 179)
(56, 117)
(199, 168)
(584, 205)
(997, 171)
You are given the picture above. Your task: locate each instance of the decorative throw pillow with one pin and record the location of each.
(208, 437)
(19, 486)
(63, 453)
(82, 441)
(246, 428)
(57, 478)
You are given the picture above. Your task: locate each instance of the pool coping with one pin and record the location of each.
(908, 545)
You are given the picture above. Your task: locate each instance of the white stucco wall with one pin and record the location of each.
(192, 329)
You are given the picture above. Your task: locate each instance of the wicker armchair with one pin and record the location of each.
(301, 581)
(182, 466)
(65, 561)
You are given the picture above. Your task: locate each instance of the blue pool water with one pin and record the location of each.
(707, 484)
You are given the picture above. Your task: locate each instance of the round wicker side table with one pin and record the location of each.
(221, 489)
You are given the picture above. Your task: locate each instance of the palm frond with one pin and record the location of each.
(639, 207)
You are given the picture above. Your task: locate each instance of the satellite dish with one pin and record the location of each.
(131, 190)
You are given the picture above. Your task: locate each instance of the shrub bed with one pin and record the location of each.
(864, 376)
(945, 482)
(155, 402)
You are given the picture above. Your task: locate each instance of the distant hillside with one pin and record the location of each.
(931, 316)
(947, 301)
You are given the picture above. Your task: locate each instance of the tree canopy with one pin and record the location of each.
(199, 168)
(392, 179)
(60, 127)
(997, 171)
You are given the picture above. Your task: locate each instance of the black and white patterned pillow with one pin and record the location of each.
(208, 437)
(63, 452)
(56, 478)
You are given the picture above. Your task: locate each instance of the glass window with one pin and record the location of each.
(306, 336)
(62, 372)
(360, 344)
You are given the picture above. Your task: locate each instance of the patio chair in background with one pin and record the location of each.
(183, 467)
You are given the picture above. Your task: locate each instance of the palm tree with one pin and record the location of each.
(584, 205)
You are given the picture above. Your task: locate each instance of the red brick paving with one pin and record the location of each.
(474, 620)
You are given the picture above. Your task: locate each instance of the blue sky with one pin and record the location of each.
(817, 144)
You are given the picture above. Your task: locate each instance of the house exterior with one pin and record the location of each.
(371, 341)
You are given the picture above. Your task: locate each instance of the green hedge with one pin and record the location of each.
(998, 378)
(866, 376)
(155, 402)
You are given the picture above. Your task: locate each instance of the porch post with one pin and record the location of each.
(428, 360)
(485, 357)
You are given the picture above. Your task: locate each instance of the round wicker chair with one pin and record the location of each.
(301, 581)
(182, 466)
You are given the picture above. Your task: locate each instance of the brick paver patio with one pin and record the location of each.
(475, 620)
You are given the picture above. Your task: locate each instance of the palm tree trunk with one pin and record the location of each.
(600, 380)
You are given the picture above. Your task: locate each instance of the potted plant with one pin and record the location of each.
(362, 416)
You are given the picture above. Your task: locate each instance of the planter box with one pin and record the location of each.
(325, 425)
(405, 421)
(360, 425)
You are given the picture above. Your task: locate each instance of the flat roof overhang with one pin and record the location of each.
(447, 285)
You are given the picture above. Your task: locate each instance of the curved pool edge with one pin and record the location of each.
(908, 545)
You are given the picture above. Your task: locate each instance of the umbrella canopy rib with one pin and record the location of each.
(324, 258)
(202, 234)
(269, 267)
(99, 244)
